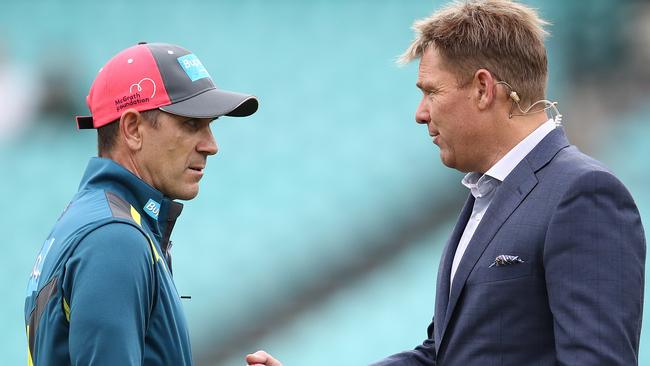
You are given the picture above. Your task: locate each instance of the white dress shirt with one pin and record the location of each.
(483, 187)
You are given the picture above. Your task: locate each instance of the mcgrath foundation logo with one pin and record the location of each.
(145, 89)
(138, 86)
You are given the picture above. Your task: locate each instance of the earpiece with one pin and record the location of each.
(514, 96)
(548, 105)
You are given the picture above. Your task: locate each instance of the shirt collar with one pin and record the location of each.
(482, 185)
(510, 160)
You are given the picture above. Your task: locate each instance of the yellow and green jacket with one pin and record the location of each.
(101, 291)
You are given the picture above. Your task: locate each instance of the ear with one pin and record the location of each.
(484, 84)
(131, 123)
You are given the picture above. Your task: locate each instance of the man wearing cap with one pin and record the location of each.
(101, 291)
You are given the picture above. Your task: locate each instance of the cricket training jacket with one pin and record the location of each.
(101, 291)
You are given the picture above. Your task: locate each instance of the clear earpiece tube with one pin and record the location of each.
(557, 118)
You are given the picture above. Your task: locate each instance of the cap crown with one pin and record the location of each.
(143, 77)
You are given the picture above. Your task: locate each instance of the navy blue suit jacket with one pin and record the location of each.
(578, 297)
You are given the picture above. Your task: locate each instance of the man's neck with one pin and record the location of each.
(510, 133)
(124, 159)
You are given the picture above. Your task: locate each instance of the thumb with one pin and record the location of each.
(261, 357)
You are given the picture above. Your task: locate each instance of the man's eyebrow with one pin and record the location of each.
(424, 85)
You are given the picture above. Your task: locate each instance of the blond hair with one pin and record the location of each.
(501, 36)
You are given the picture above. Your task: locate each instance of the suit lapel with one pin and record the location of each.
(444, 269)
(509, 196)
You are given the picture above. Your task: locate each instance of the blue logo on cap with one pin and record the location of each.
(193, 67)
(152, 208)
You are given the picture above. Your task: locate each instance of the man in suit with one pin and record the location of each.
(545, 265)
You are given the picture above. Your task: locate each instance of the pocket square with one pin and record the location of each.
(505, 260)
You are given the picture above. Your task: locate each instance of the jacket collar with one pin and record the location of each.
(159, 212)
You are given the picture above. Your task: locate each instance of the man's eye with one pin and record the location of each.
(192, 123)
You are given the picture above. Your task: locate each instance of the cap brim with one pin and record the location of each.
(214, 103)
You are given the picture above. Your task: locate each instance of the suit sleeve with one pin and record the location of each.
(594, 260)
(108, 284)
(422, 355)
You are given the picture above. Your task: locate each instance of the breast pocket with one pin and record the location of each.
(483, 273)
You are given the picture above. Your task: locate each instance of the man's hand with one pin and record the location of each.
(261, 358)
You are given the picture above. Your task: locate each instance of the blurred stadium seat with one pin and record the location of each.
(317, 231)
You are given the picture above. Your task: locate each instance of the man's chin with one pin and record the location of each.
(185, 195)
(446, 160)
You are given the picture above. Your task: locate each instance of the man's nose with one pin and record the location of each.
(422, 113)
(208, 145)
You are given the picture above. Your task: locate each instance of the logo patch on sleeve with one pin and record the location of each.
(152, 208)
(193, 67)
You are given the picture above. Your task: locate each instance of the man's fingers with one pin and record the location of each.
(261, 358)
(257, 357)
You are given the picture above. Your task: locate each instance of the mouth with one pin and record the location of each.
(197, 168)
(434, 137)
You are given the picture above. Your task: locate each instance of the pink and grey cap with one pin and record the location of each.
(164, 76)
